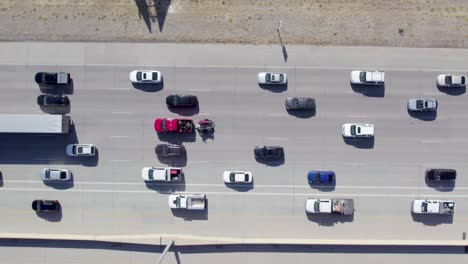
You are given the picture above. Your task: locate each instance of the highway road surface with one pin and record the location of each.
(108, 196)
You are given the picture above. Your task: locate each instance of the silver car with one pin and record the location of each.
(421, 104)
(48, 174)
(300, 103)
(272, 78)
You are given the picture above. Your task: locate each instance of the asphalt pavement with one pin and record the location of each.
(108, 196)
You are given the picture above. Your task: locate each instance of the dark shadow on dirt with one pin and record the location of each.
(369, 90)
(329, 219)
(423, 116)
(452, 90)
(361, 143)
(144, 13)
(432, 220)
(161, 6)
(274, 88)
(302, 113)
(149, 87)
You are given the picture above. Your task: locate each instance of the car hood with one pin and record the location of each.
(347, 129)
(261, 77)
(412, 104)
(133, 76)
(355, 76)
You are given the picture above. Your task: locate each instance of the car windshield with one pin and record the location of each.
(448, 79)
(353, 130)
(419, 104)
(177, 202)
(80, 150)
(155, 76)
(63, 175)
(150, 174)
(362, 76)
(424, 207)
(316, 206)
(138, 76)
(47, 174)
(281, 77)
(295, 102)
(163, 125)
(268, 77)
(246, 177)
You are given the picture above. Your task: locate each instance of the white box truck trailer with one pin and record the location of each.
(47, 124)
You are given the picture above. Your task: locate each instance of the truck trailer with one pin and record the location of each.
(41, 124)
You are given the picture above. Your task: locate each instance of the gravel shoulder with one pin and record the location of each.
(399, 23)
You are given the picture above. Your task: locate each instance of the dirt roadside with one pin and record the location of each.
(408, 23)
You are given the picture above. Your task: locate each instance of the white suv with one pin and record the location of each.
(55, 174)
(368, 77)
(358, 130)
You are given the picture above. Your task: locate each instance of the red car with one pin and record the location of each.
(173, 125)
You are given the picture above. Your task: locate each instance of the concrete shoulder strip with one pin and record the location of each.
(181, 240)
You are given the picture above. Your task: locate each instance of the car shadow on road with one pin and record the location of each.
(329, 219)
(271, 162)
(60, 185)
(441, 186)
(423, 116)
(56, 110)
(91, 161)
(58, 88)
(361, 143)
(1, 179)
(274, 88)
(451, 90)
(191, 215)
(432, 220)
(176, 161)
(369, 90)
(178, 138)
(185, 111)
(324, 187)
(302, 113)
(149, 87)
(239, 187)
(51, 216)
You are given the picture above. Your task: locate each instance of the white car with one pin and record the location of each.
(237, 177)
(141, 76)
(368, 77)
(358, 130)
(272, 78)
(447, 80)
(55, 174)
(81, 150)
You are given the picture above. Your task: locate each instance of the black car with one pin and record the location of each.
(268, 152)
(441, 174)
(300, 103)
(52, 100)
(167, 150)
(176, 100)
(52, 78)
(45, 205)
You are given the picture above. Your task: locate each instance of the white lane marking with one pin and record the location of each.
(354, 164)
(118, 160)
(431, 93)
(121, 113)
(118, 136)
(278, 114)
(199, 90)
(276, 138)
(250, 193)
(431, 165)
(120, 89)
(431, 141)
(357, 116)
(255, 186)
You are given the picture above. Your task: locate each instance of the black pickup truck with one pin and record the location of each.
(441, 174)
(52, 78)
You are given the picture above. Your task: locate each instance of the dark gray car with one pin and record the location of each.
(52, 100)
(263, 152)
(168, 150)
(441, 174)
(300, 103)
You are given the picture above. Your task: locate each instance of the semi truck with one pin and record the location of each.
(433, 207)
(187, 201)
(47, 124)
(330, 206)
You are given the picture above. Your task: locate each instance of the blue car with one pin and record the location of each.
(320, 177)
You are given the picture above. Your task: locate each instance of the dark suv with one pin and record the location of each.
(176, 100)
(265, 152)
(441, 174)
(52, 100)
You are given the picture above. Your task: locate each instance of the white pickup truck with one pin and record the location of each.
(167, 174)
(330, 206)
(368, 77)
(187, 201)
(432, 207)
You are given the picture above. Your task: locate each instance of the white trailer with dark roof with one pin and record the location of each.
(40, 124)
